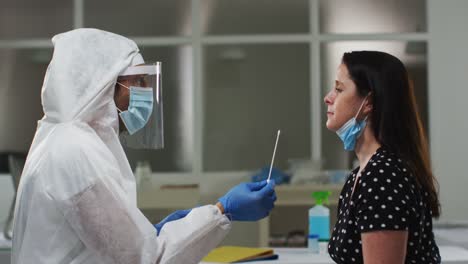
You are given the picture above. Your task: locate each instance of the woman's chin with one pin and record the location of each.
(331, 126)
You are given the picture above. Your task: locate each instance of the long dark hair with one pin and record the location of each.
(394, 120)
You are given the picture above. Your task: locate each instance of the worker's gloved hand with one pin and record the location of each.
(174, 216)
(249, 201)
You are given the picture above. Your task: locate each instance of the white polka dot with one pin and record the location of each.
(390, 216)
(370, 190)
(393, 174)
(363, 184)
(389, 198)
(400, 185)
(387, 164)
(381, 171)
(375, 179)
(374, 164)
(376, 216)
(403, 219)
(382, 225)
(383, 206)
(389, 181)
(382, 188)
(350, 241)
(368, 173)
(376, 197)
(371, 226)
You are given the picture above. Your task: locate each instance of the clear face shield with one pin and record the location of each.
(144, 116)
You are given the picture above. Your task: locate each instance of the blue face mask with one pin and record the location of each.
(139, 109)
(351, 130)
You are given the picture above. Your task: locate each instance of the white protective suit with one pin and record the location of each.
(76, 201)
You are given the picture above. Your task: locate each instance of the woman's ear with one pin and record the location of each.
(368, 105)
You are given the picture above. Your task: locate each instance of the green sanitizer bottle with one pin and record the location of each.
(319, 216)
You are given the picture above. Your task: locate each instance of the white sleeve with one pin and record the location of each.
(119, 233)
(191, 238)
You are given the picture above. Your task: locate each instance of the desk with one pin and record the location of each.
(450, 255)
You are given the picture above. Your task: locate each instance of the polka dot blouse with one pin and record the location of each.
(386, 198)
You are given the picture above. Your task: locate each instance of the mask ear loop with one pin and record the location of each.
(358, 176)
(123, 85)
(360, 108)
(120, 111)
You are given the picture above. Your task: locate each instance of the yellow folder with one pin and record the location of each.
(232, 254)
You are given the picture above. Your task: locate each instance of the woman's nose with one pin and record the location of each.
(327, 98)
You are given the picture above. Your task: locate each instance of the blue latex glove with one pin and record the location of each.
(174, 216)
(250, 201)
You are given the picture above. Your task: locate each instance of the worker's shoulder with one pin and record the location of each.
(74, 149)
(71, 141)
(74, 160)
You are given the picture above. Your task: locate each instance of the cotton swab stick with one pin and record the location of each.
(273, 158)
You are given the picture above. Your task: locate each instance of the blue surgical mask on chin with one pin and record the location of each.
(351, 130)
(139, 109)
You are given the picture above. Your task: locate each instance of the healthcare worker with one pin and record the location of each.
(76, 201)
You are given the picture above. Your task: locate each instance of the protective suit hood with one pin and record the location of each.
(80, 79)
(79, 88)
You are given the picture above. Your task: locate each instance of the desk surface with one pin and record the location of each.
(450, 254)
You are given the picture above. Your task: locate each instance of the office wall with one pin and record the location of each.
(448, 92)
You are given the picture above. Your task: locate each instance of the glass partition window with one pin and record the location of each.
(226, 17)
(372, 16)
(140, 17)
(227, 86)
(251, 91)
(20, 95)
(22, 19)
